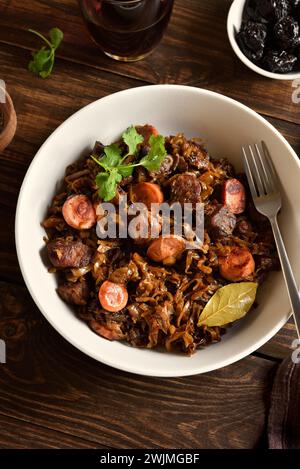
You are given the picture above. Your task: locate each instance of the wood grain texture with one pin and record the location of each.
(51, 395)
(21, 434)
(195, 51)
(280, 346)
(66, 391)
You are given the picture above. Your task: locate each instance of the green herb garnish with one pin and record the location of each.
(43, 60)
(112, 162)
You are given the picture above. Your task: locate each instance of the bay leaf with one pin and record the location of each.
(228, 304)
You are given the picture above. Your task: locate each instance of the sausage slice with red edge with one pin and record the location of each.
(147, 193)
(78, 211)
(237, 265)
(166, 247)
(113, 296)
(234, 196)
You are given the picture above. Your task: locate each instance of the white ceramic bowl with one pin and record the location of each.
(225, 125)
(234, 21)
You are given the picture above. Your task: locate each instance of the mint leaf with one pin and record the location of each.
(56, 36)
(107, 184)
(43, 60)
(132, 139)
(156, 155)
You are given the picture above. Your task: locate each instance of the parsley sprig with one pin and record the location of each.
(43, 60)
(112, 161)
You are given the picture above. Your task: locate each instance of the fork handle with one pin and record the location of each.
(287, 273)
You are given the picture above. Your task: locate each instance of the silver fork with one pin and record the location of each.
(264, 185)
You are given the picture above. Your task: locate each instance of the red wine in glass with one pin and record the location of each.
(126, 30)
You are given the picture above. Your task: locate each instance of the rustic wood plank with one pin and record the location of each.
(280, 346)
(18, 434)
(65, 391)
(34, 99)
(195, 51)
(42, 104)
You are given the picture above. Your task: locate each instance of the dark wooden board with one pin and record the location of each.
(195, 51)
(51, 395)
(21, 434)
(65, 391)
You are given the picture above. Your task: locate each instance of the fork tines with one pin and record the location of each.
(259, 170)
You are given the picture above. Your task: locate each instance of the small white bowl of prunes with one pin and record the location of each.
(265, 35)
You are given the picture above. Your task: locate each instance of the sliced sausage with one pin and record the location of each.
(185, 188)
(221, 222)
(166, 248)
(237, 265)
(113, 296)
(75, 293)
(234, 196)
(78, 212)
(67, 254)
(146, 193)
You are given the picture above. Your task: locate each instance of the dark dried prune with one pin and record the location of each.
(254, 35)
(295, 3)
(279, 62)
(254, 56)
(286, 32)
(273, 10)
(251, 11)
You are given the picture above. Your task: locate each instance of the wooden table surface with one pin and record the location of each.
(51, 395)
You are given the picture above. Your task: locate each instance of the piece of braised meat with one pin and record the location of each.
(75, 293)
(186, 188)
(221, 222)
(65, 254)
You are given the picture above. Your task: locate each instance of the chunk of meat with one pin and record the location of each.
(67, 254)
(237, 265)
(146, 193)
(166, 248)
(234, 196)
(186, 188)
(78, 211)
(113, 296)
(75, 293)
(221, 222)
(196, 156)
(110, 331)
